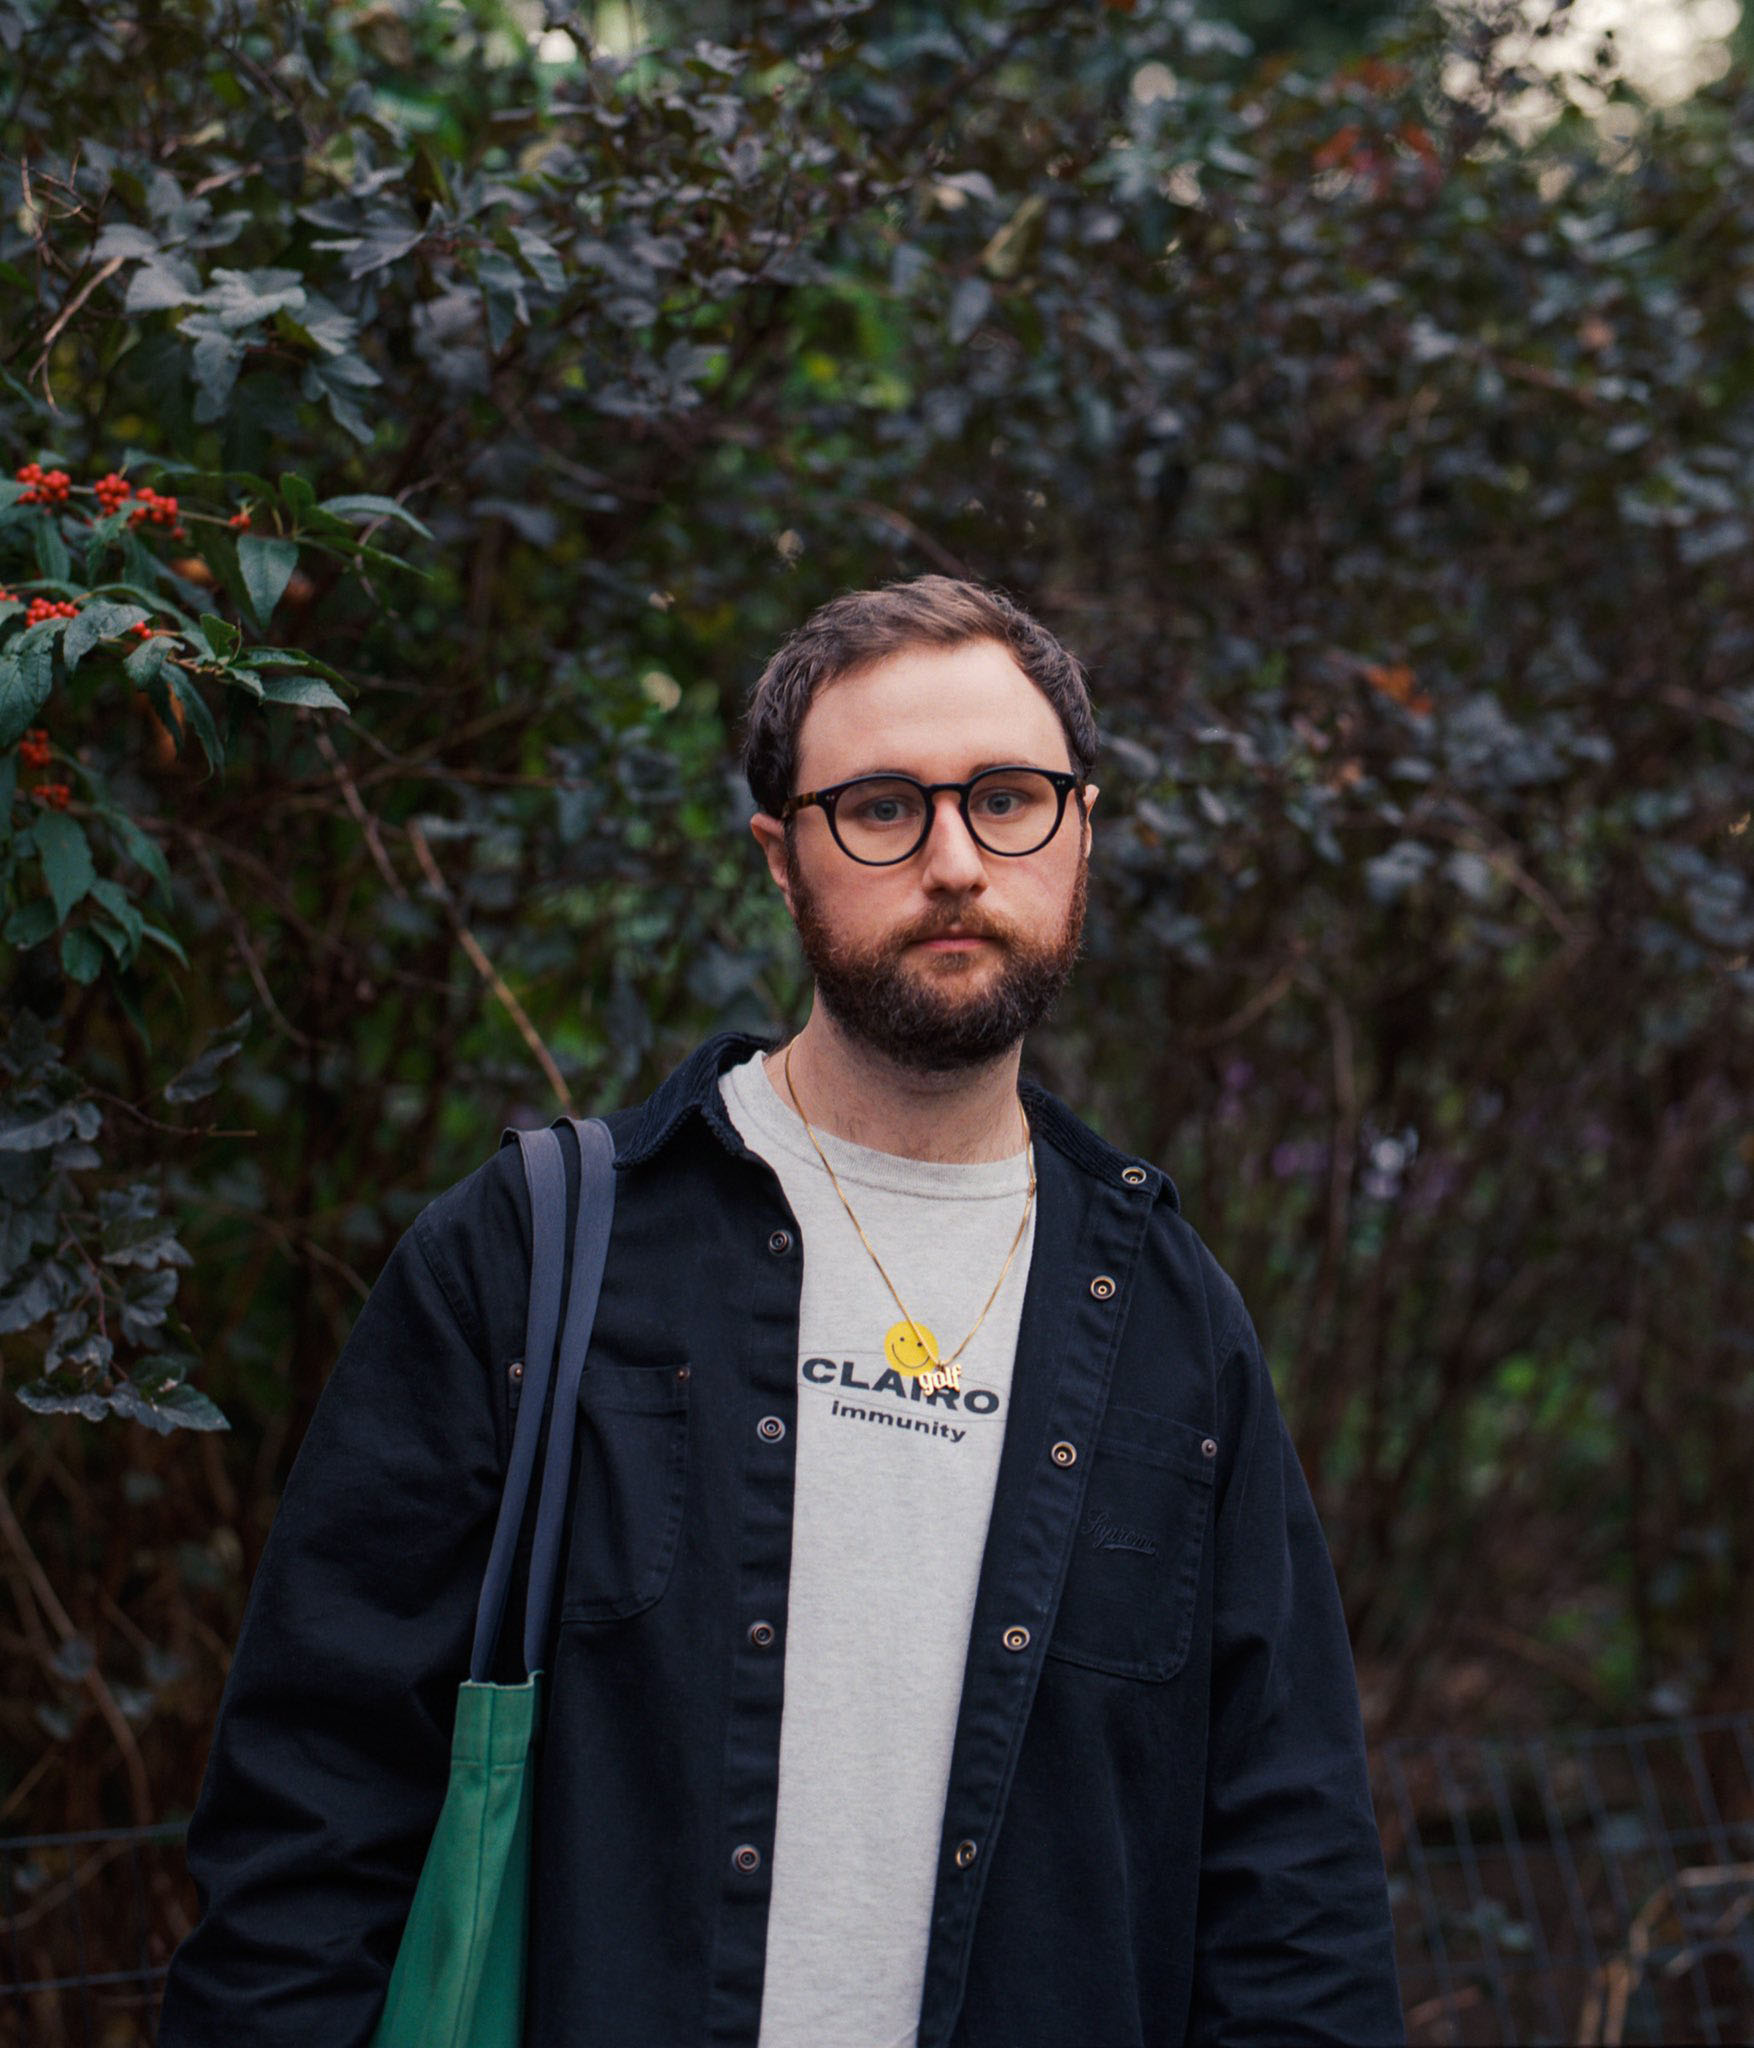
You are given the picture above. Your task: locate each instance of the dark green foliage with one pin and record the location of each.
(1390, 475)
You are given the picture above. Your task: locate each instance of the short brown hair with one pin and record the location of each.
(860, 628)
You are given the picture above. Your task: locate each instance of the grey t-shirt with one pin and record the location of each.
(894, 1487)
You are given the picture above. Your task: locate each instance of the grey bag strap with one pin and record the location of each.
(545, 1172)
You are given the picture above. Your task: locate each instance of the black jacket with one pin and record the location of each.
(1157, 1827)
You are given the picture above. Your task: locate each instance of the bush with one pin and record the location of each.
(1389, 471)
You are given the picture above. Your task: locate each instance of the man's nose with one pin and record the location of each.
(952, 859)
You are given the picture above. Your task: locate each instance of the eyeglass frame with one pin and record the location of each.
(1063, 780)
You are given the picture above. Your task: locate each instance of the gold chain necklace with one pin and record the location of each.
(943, 1372)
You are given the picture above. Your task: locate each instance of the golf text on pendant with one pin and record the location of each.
(910, 1347)
(913, 1351)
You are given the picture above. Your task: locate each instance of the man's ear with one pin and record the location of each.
(770, 836)
(1091, 793)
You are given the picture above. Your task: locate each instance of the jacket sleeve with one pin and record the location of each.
(1294, 1940)
(331, 1750)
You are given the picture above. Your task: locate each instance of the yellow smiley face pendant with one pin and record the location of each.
(908, 1353)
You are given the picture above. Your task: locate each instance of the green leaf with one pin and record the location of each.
(116, 901)
(266, 566)
(140, 849)
(52, 556)
(113, 936)
(96, 622)
(307, 690)
(31, 923)
(363, 507)
(66, 856)
(178, 1407)
(222, 637)
(292, 657)
(199, 716)
(63, 1394)
(201, 1076)
(160, 937)
(143, 665)
(27, 676)
(297, 496)
(81, 954)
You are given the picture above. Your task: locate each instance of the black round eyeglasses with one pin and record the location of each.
(879, 820)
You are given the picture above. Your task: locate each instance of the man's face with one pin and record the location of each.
(946, 959)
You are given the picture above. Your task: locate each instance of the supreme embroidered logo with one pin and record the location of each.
(1108, 1534)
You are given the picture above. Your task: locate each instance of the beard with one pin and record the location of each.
(929, 1020)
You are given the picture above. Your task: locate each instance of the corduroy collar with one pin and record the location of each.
(692, 1088)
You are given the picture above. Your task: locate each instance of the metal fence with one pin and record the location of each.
(1588, 1888)
(87, 1924)
(1594, 1887)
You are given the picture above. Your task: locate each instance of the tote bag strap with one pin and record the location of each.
(545, 1172)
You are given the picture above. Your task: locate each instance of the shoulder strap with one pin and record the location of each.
(545, 1173)
(590, 1249)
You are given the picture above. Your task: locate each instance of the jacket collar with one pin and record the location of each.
(692, 1089)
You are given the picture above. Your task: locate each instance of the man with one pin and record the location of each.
(948, 1650)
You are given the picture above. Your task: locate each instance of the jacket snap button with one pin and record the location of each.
(761, 1633)
(781, 1241)
(682, 1372)
(1102, 1287)
(1064, 1454)
(746, 1858)
(1134, 1176)
(1017, 1639)
(1209, 1449)
(516, 1370)
(770, 1429)
(966, 1852)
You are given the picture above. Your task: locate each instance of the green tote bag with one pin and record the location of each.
(459, 1975)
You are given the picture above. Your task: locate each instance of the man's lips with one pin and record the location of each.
(953, 942)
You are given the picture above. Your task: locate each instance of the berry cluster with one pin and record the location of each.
(160, 509)
(42, 608)
(112, 492)
(35, 751)
(143, 629)
(43, 486)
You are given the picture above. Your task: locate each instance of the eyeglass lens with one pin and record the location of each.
(1010, 810)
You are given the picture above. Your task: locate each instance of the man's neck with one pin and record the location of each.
(857, 1094)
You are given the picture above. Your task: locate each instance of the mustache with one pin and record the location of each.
(936, 924)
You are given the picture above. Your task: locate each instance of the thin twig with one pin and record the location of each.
(952, 565)
(486, 969)
(1256, 1007)
(73, 305)
(361, 816)
(152, 1123)
(28, 1783)
(240, 933)
(295, 1243)
(139, 1787)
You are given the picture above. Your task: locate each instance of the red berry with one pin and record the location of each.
(55, 794)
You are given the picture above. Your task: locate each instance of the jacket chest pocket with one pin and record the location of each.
(1134, 1580)
(632, 1461)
